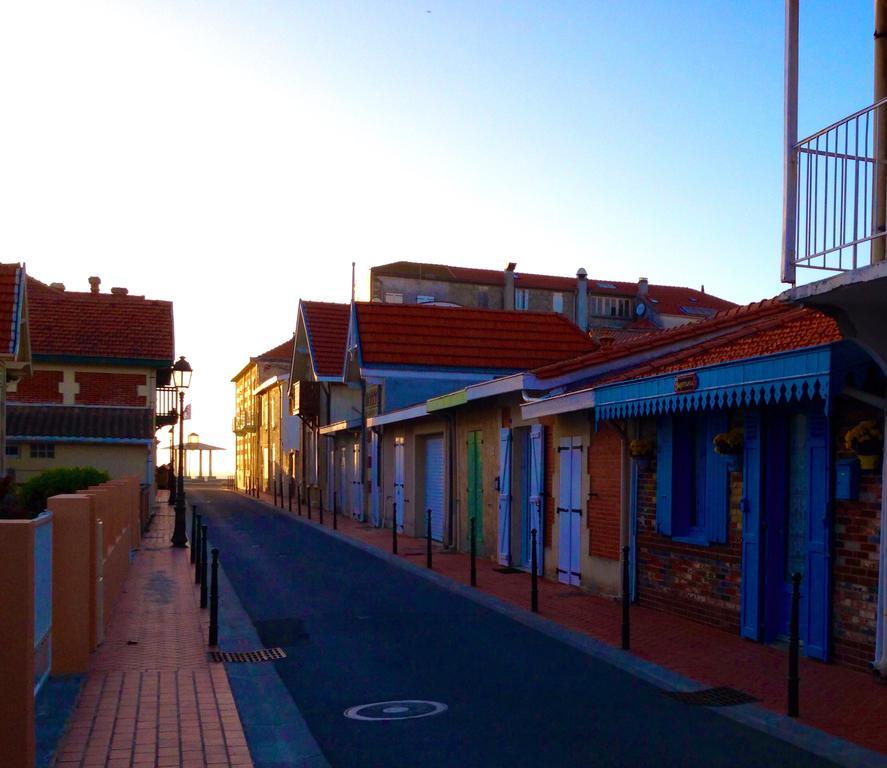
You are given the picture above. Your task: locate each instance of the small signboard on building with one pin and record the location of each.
(686, 382)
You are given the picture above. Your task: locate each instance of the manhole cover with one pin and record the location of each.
(246, 657)
(395, 710)
(713, 697)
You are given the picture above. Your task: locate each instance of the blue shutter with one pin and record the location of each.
(664, 476)
(750, 621)
(817, 580)
(717, 485)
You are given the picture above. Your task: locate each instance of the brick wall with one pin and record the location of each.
(42, 387)
(856, 552)
(605, 484)
(110, 388)
(697, 582)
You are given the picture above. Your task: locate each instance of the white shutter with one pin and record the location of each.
(564, 507)
(537, 488)
(505, 496)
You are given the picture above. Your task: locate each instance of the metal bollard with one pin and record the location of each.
(472, 536)
(299, 500)
(428, 539)
(320, 504)
(193, 529)
(534, 576)
(308, 500)
(335, 513)
(394, 528)
(626, 600)
(214, 600)
(203, 568)
(289, 489)
(195, 542)
(794, 677)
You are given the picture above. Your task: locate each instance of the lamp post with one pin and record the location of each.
(171, 479)
(181, 376)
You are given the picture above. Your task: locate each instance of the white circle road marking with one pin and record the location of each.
(407, 709)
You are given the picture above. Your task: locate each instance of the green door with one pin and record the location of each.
(475, 484)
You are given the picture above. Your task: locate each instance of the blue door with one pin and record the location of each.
(434, 484)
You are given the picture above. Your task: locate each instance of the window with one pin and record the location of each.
(557, 302)
(393, 298)
(42, 451)
(424, 299)
(13, 450)
(609, 306)
(522, 298)
(692, 480)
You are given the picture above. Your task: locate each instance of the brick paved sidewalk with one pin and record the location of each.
(151, 698)
(845, 703)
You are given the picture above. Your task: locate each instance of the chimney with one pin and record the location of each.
(606, 341)
(120, 291)
(94, 283)
(509, 285)
(582, 299)
(643, 286)
(702, 290)
(57, 286)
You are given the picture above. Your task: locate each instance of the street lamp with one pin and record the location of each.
(181, 379)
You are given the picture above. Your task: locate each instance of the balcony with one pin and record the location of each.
(305, 399)
(835, 213)
(165, 413)
(243, 422)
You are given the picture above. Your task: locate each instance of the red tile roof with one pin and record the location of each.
(281, 353)
(326, 326)
(456, 337)
(664, 299)
(716, 326)
(59, 422)
(11, 297)
(100, 325)
(795, 328)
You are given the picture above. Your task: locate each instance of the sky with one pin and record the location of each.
(234, 157)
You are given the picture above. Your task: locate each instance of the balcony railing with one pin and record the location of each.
(835, 207)
(165, 413)
(243, 421)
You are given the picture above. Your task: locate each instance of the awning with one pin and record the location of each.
(782, 378)
(340, 426)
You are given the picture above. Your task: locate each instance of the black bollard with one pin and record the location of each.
(204, 565)
(320, 505)
(299, 500)
(335, 513)
(472, 537)
(626, 600)
(308, 500)
(794, 677)
(428, 539)
(534, 576)
(195, 542)
(394, 528)
(289, 489)
(193, 528)
(214, 600)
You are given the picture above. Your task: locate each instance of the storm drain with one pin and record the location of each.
(713, 697)
(248, 657)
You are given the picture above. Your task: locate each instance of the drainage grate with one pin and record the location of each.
(713, 697)
(509, 569)
(265, 654)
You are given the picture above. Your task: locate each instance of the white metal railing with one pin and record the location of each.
(835, 208)
(42, 599)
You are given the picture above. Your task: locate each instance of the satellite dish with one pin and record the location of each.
(640, 309)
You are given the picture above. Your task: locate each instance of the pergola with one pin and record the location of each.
(194, 445)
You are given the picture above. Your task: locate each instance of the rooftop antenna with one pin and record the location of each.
(352, 282)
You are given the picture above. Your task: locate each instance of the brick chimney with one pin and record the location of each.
(57, 286)
(119, 291)
(643, 286)
(582, 299)
(508, 284)
(94, 283)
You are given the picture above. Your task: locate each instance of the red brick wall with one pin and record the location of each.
(42, 387)
(110, 388)
(856, 552)
(605, 484)
(699, 583)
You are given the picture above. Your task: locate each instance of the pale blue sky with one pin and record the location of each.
(253, 150)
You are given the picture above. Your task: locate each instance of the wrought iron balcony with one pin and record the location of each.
(165, 413)
(835, 212)
(243, 422)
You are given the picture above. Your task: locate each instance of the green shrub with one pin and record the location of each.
(37, 490)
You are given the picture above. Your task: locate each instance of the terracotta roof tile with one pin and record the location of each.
(102, 325)
(77, 421)
(326, 325)
(11, 293)
(281, 353)
(455, 337)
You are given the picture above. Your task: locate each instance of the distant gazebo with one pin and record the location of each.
(194, 444)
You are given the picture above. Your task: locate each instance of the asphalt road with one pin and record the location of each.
(358, 630)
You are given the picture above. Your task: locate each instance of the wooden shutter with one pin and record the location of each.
(751, 604)
(664, 475)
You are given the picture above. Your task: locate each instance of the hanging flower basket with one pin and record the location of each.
(867, 441)
(642, 451)
(728, 443)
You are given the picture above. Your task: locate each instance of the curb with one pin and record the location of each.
(807, 737)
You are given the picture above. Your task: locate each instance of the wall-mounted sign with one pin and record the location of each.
(371, 403)
(686, 382)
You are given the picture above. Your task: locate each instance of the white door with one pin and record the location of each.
(375, 472)
(343, 486)
(356, 483)
(504, 496)
(434, 485)
(569, 509)
(398, 480)
(537, 489)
